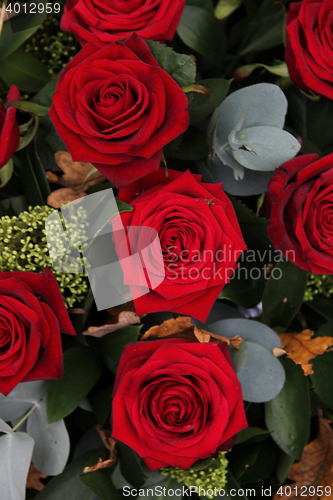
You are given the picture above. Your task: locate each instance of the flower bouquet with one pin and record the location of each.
(166, 237)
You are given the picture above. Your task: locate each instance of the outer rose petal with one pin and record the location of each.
(153, 20)
(9, 129)
(308, 53)
(290, 195)
(184, 365)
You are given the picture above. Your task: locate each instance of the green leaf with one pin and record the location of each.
(233, 485)
(193, 146)
(68, 485)
(130, 466)
(322, 305)
(29, 134)
(81, 373)
(322, 377)
(263, 465)
(204, 4)
(44, 96)
(279, 69)
(24, 70)
(6, 173)
(225, 8)
(29, 107)
(288, 414)
(200, 106)
(32, 173)
(262, 38)
(283, 294)
(202, 32)
(181, 67)
(252, 435)
(243, 457)
(15, 32)
(242, 290)
(100, 481)
(112, 345)
(102, 405)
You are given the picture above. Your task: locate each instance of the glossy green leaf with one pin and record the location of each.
(263, 465)
(130, 465)
(30, 107)
(204, 4)
(237, 492)
(102, 405)
(29, 133)
(322, 377)
(202, 32)
(15, 32)
(81, 372)
(100, 481)
(6, 173)
(24, 70)
(225, 8)
(112, 345)
(263, 38)
(181, 67)
(44, 96)
(322, 305)
(252, 435)
(288, 414)
(283, 294)
(200, 105)
(242, 290)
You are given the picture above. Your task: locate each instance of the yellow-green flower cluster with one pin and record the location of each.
(23, 247)
(53, 47)
(213, 476)
(318, 284)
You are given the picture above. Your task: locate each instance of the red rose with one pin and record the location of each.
(106, 22)
(309, 49)
(301, 221)
(199, 235)
(176, 401)
(32, 316)
(9, 129)
(116, 108)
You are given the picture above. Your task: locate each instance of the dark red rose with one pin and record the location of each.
(309, 49)
(106, 22)
(9, 129)
(300, 194)
(199, 235)
(32, 316)
(176, 401)
(116, 108)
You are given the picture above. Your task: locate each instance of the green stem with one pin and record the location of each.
(27, 415)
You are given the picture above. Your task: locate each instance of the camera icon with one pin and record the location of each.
(122, 263)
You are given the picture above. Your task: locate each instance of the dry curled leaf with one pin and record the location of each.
(64, 195)
(75, 172)
(317, 458)
(300, 347)
(125, 318)
(34, 478)
(110, 444)
(182, 327)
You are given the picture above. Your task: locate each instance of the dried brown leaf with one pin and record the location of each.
(125, 318)
(110, 444)
(317, 458)
(300, 347)
(182, 327)
(64, 195)
(75, 172)
(34, 478)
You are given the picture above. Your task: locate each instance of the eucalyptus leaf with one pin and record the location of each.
(239, 356)
(288, 414)
(51, 448)
(20, 400)
(264, 148)
(262, 376)
(15, 457)
(202, 32)
(250, 330)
